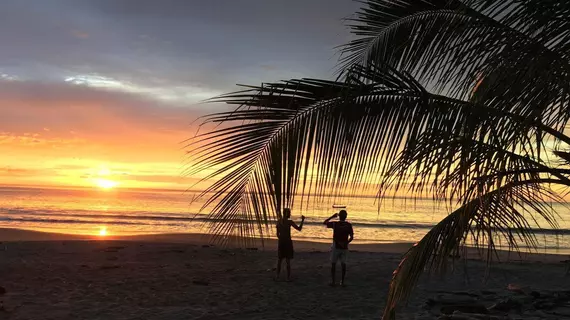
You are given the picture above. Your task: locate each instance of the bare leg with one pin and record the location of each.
(343, 265)
(278, 268)
(288, 262)
(333, 272)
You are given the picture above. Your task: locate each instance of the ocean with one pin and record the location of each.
(130, 212)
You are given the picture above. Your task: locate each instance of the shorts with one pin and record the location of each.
(285, 250)
(339, 254)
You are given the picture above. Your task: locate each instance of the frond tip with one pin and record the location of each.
(481, 223)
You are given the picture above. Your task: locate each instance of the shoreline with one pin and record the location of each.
(24, 235)
(8, 235)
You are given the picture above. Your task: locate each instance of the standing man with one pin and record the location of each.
(342, 236)
(285, 243)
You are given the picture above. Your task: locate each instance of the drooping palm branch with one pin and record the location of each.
(511, 56)
(461, 100)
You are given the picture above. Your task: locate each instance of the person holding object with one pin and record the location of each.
(285, 243)
(342, 236)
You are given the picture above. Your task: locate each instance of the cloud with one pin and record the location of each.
(80, 34)
(92, 124)
(20, 172)
(268, 67)
(158, 46)
(35, 140)
(120, 81)
(28, 109)
(158, 178)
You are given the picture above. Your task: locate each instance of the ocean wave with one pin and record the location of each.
(12, 213)
(79, 221)
(146, 219)
(149, 220)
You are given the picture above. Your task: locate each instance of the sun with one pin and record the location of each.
(102, 178)
(104, 171)
(105, 183)
(103, 231)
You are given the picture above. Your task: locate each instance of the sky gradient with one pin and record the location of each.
(108, 89)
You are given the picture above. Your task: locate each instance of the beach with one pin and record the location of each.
(56, 276)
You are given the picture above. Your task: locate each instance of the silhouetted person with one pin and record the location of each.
(342, 236)
(285, 244)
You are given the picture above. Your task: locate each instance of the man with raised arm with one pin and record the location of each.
(285, 243)
(342, 236)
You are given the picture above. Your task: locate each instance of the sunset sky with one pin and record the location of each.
(94, 91)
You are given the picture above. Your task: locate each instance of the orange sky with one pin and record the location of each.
(89, 87)
(75, 137)
(69, 136)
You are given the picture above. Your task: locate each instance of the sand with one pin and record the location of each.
(52, 276)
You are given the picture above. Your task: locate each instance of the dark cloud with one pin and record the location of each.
(149, 62)
(208, 44)
(121, 80)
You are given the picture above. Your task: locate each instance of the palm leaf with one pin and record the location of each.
(497, 214)
(455, 48)
(284, 131)
(462, 100)
(291, 134)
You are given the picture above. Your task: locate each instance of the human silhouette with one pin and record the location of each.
(342, 236)
(285, 244)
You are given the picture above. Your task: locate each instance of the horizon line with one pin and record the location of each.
(143, 189)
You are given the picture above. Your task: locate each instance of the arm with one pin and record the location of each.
(278, 234)
(331, 217)
(298, 227)
(350, 235)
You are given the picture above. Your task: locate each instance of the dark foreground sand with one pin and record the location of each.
(180, 277)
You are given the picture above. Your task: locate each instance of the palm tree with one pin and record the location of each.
(464, 101)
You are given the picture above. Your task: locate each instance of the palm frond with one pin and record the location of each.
(454, 48)
(453, 167)
(546, 21)
(284, 138)
(456, 99)
(282, 132)
(500, 214)
(563, 155)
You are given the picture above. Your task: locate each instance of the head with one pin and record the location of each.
(342, 215)
(286, 213)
